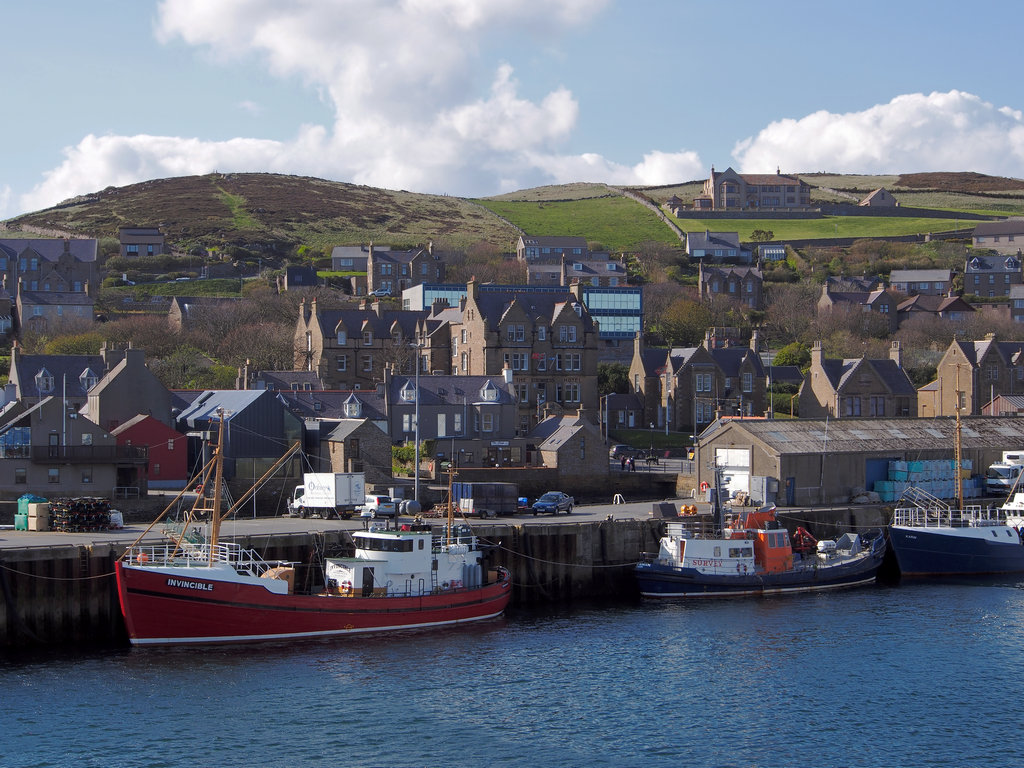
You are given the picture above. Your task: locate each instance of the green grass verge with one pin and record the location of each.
(823, 229)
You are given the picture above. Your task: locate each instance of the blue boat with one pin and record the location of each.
(755, 555)
(931, 538)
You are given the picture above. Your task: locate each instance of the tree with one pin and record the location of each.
(796, 354)
(684, 322)
(612, 378)
(761, 235)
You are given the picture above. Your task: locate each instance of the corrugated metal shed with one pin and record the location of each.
(797, 436)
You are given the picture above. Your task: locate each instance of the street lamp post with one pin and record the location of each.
(652, 440)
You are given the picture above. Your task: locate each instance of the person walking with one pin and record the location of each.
(623, 457)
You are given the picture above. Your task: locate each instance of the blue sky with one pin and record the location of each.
(478, 97)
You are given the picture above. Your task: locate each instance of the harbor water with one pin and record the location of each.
(918, 674)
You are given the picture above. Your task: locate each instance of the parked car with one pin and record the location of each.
(381, 292)
(553, 502)
(620, 450)
(378, 506)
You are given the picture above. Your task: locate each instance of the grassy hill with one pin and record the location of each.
(260, 211)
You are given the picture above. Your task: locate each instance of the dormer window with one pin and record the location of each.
(577, 267)
(1011, 263)
(44, 381)
(342, 337)
(367, 338)
(579, 309)
(489, 393)
(88, 379)
(353, 407)
(408, 392)
(975, 263)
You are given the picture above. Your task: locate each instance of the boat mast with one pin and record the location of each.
(218, 480)
(957, 451)
(451, 511)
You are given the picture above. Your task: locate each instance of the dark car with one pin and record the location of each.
(553, 502)
(617, 451)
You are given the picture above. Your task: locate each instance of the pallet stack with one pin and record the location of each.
(80, 515)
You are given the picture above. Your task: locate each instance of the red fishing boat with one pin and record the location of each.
(197, 589)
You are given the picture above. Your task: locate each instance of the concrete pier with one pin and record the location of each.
(65, 594)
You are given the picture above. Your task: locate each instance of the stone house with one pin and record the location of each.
(741, 284)
(548, 340)
(973, 373)
(140, 241)
(869, 304)
(126, 389)
(49, 264)
(945, 307)
(1004, 237)
(551, 248)
(393, 271)
(857, 387)
(923, 282)
(880, 198)
(594, 271)
(48, 311)
(728, 190)
(358, 445)
(716, 246)
(349, 348)
(986, 275)
(573, 444)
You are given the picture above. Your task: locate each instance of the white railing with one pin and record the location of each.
(945, 517)
(188, 554)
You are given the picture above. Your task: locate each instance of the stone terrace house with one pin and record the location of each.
(986, 275)
(857, 387)
(1004, 237)
(728, 190)
(575, 446)
(979, 370)
(348, 348)
(44, 311)
(924, 282)
(741, 284)
(878, 302)
(692, 386)
(70, 377)
(548, 340)
(140, 241)
(473, 418)
(127, 389)
(551, 249)
(44, 265)
(358, 445)
(945, 307)
(393, 271)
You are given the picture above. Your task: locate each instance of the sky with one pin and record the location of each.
(479, 97)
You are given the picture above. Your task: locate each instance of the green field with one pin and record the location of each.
(830, 226)
(617, 223)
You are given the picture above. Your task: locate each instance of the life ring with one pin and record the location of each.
(704, 486)
(346, 585)
(142, 558)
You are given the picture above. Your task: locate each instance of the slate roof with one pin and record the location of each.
(785, 374)
(551, 433)
(934, 304)
(1011, 226)
(204, 408)
(705, 240)
(55, 298)
(976, 350)
(555, 241)
(450, 390)
(330, 404)
(920, 276)
(653, 359)
(801, 436)
(624, 402)
(494, 304)
(62, 367)
(50, 249)
(356, 320)
(729, 359)
(307, 380)
(840, 372)
(1000, 263)
(346, 427)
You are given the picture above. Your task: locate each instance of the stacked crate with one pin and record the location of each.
(80, 515)
(937, 477)
(38, 516)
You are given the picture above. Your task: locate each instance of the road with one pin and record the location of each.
(242, 526)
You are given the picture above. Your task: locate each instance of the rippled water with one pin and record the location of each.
(915, 675)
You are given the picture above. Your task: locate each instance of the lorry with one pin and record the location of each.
(486, 499)
(328, 494)
(1002, 475)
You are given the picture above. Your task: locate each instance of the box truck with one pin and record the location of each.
(327, 495)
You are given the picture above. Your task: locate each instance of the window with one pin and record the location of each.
(407, 422)
(542, 333)
(702, 382)
(170, 445)
(87, 438)
(573, 361)
(851, 406)
(465, 361)
(53, 475)
(567, 333)
(342, 362)
(342, 337)
(367, 337)
(542, 392)
(367, 363)
(457, 423)
(522, 393)
(442, 424)
(748, 382)
(487, 422)
(463, 335)
(87, 475)
(876, 406)
(408, 392)
(571, 391)
(88, 379)
(993, 372)
(542, 362)
(516, 332)
(385, 269)
(44, 380)
(20, 477)
(489, 393)
(353, 408)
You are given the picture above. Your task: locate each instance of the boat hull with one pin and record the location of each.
(667, 581)
(967, 551)
(161, 607)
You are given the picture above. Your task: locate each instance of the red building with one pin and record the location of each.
(168, 451)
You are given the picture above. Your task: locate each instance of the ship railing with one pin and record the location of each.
(189, 554)
(943, 516)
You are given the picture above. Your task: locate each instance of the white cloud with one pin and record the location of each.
(952, 131)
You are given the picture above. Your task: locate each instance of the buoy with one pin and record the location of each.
(142, 557)
(704, 486)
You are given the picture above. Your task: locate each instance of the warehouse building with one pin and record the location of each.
(803, 462)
